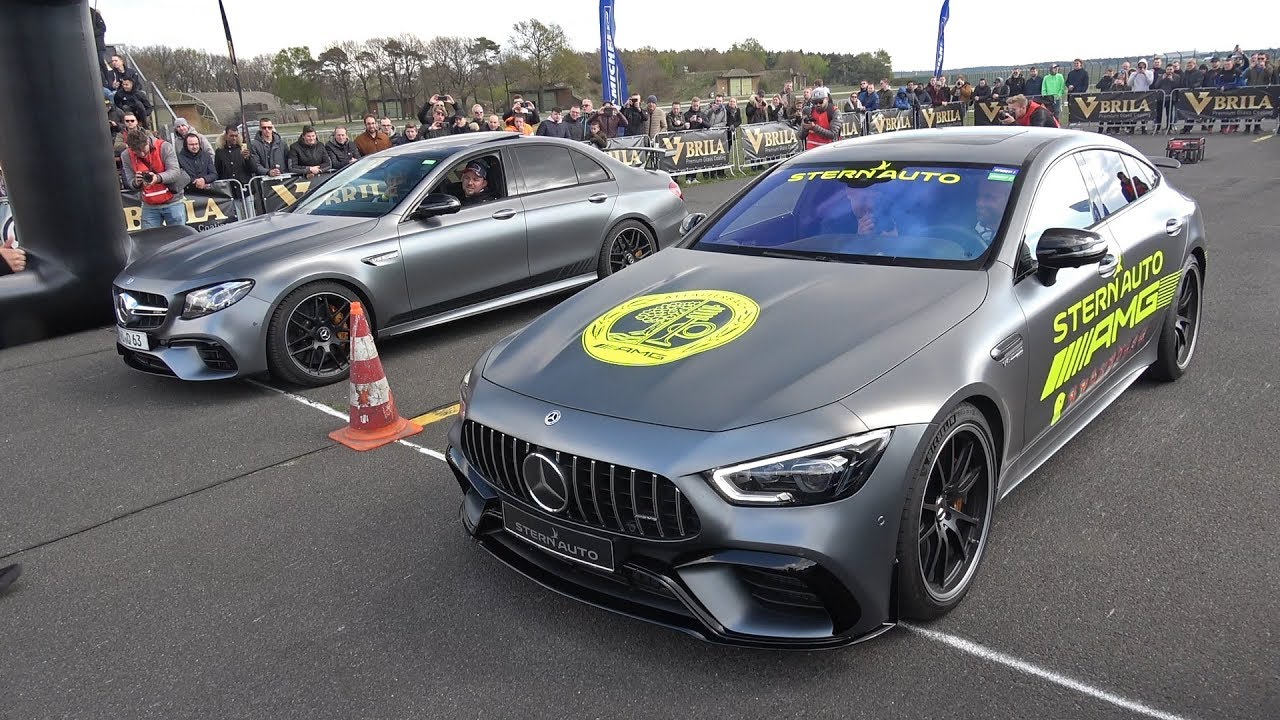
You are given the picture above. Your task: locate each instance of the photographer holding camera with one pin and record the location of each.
(637, 117)
(150, 166)
(425, 112)
(1022, 111)
(524, 108)
(819, 125)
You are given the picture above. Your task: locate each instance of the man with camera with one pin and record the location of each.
(1028, 113)
(150, 166)
(819, 125)
(612, 122)
(636, 115)
(523, 108)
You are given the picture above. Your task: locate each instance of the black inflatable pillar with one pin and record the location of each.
(62, 185)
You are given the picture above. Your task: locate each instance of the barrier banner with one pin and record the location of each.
(984, 113)
(851, 125)
(694, 150)
(1126, 106)
(768, 142)
(946, 115)
(891, 120)
(1228, 104)
(277, 193)
(622, 148)
(206, 209)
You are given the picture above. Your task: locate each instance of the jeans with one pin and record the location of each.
(173, 212)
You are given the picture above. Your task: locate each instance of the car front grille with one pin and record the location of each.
(157, 308)
(601, 495)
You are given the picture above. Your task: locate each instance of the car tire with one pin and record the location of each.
(308, 340)
(940, 510)
(626, 243)
(1181, 328)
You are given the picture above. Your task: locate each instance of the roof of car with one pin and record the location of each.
(456, 143)
(996, 145)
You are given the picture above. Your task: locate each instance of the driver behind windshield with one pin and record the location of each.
(475, 183)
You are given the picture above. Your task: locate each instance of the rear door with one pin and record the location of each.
(568, 199)
(476, 254)
(1059, 315)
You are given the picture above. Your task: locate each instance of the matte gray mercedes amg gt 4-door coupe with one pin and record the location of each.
(422, 234)
(792, 427)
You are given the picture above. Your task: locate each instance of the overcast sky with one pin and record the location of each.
(980, 32)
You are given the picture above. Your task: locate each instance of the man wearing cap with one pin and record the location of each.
(475, 183)
(1054, 88)
(182, 128)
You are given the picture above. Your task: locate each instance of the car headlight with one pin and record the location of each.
(214, 298)
(804, 477)
(464, 394)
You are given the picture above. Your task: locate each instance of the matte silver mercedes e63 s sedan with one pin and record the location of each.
(422, 234)
(792, 427)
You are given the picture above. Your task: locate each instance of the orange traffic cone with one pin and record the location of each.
(374, 420)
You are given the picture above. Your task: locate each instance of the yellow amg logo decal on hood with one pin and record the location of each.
(658, 329)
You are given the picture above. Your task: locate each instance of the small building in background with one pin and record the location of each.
(738, 83)
(210, 112)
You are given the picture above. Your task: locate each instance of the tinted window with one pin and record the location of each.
(546, 168)
(1062, 200)
(879, 211)
(369, 188)
(1144, 176)
(589, 170)
(1106, 170)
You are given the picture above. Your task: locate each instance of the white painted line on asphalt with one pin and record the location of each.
(1010, 661)
(338, 414)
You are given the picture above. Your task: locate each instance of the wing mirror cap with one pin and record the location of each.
(436, 204)
(690, 222)
(1061, 248)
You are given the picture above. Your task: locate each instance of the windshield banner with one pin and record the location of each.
(206, 209)
(693, 150)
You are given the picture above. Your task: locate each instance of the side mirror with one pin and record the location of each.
(1061, 248)
(690, 222)
(436, 204)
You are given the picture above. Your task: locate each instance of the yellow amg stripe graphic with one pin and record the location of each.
(1168, 289)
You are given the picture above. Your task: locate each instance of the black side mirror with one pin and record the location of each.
(690, 222)
(1061, 248)
(436, 204)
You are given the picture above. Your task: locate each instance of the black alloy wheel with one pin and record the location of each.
(628, 243)
(947, 518)
(309, 341)
(1181, 330)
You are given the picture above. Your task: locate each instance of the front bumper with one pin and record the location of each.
(227, 344)
(799, 577)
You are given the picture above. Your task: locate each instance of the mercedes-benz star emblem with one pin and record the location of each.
(546, 483)
(552, 417)
(125, 304)
(324, 334)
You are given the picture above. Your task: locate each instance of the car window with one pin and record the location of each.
(371, 187)
(1106, 170)
(1061, 200)
(878, 211)
(546, 167)
(589, 170)
(1144, 176)
(451, 182)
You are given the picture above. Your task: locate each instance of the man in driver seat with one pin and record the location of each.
(475, 183)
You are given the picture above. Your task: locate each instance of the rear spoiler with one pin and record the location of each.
(1164, 162)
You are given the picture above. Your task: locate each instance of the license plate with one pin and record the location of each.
(557, 539)
(133, 339)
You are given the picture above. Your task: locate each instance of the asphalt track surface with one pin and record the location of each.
(197, 551)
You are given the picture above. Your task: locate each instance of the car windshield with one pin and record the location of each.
(932, 214)
(371, 187)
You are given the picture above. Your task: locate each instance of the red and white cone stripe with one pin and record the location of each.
(372, 406)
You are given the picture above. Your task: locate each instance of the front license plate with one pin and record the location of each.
(133, 339)
(557, 539)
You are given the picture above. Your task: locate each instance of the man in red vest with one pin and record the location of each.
(150, 166)
(819, 125)
(1028, 113)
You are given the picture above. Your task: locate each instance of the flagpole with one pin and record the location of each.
(235, 70)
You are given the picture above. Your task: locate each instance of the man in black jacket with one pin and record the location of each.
(307, 156)
(130, 99)
(1078, 78)
(342, 151)
(1168, 82)
(196, 163)
(636, 116)
(231, 159)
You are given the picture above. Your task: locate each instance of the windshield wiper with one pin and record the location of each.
(794, 255)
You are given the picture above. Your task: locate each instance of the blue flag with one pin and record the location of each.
(611, 70)
(942, 26)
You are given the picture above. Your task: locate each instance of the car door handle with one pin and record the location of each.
(504, 214)
(598, 198)
(1108, 265)
(1173, 226)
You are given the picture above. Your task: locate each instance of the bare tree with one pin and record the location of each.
(538, 45)
(454, 59)
(337, 64)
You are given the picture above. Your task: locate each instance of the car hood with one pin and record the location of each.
(245, 246)
(822, 331)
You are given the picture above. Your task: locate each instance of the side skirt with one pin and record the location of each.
(488, 305)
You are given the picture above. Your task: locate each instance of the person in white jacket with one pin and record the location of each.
(1140, 80)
